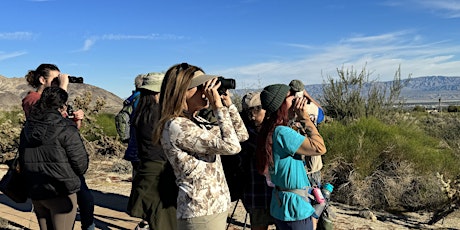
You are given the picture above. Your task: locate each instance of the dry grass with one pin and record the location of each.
(395, 186)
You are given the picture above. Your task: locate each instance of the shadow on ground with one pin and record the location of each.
(111, 201)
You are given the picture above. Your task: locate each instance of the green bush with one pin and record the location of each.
(368, 142)
(10, 128)
(107, 122)
(376, 165)
(96, 126)
(453, 109)
(419, 108)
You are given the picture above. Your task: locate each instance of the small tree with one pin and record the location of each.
(354, 95)
(419, 108)
(452, 109)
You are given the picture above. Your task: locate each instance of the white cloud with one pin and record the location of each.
(444, 8)
(414, 56)
(448, 8)
(4, 56)
(383, 38)
(118, 37)
(16, 36)
(88, 44)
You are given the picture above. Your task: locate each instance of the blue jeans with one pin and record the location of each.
(85, 202)
(305, 224)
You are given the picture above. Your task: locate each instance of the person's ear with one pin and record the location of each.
(42, 80)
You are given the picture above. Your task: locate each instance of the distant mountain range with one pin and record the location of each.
(423, 90)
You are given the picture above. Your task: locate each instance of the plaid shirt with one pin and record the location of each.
(257, 194)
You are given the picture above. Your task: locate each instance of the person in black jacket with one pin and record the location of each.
(52, 157)
(47, 75)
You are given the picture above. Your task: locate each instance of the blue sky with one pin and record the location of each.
(256, 42)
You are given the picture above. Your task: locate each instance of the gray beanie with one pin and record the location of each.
(273, 96)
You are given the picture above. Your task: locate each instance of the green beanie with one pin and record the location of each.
(273, 96)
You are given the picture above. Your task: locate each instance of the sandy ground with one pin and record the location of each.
(347, 217)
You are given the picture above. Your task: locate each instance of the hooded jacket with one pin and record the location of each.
(52, 155)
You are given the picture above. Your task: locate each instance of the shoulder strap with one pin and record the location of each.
(304, 193)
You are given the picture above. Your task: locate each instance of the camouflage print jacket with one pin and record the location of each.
(194, 147)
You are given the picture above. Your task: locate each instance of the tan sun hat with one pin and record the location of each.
(152, 81)
(200, 78)
(251, 100)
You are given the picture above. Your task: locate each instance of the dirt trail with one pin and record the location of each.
(111, 193)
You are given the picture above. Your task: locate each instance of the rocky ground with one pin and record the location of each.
(347, 217)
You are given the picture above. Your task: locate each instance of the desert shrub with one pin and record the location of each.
(10, 129)
(453, 108)
(98, 131)
(105, 122)
(353, 95)
(378, 165)
(419, 108)
(105, 147)
(445, 126)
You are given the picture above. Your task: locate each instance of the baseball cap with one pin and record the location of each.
(250, 100)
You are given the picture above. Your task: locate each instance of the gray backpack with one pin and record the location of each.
(122, 122)
(123, 118)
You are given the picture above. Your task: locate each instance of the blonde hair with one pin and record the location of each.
(173, 92)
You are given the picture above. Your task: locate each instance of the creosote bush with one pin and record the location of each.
(10, 129)
(381, 166)
(380, 156)
(354, 95)
(98, 130)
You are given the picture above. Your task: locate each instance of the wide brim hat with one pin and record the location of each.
(199, 78)
(152, 81)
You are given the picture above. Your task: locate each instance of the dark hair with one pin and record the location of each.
(145, 109)
(33, 76)
(264, 152)
(52, 98)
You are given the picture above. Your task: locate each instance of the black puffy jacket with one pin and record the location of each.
(52, 155)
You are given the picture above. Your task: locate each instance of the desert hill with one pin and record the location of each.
(423, 90)
(12, 90)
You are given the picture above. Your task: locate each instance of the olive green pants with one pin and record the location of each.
(210, 222)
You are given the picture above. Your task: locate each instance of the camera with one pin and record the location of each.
(73, 79)
(225, 83)
(70, 114)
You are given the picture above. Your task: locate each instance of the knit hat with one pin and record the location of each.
(152, 81)
(251, 100)
(273, 96)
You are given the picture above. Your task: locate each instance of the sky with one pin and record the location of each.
(255, 42)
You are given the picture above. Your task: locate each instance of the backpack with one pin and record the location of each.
(122, 119)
